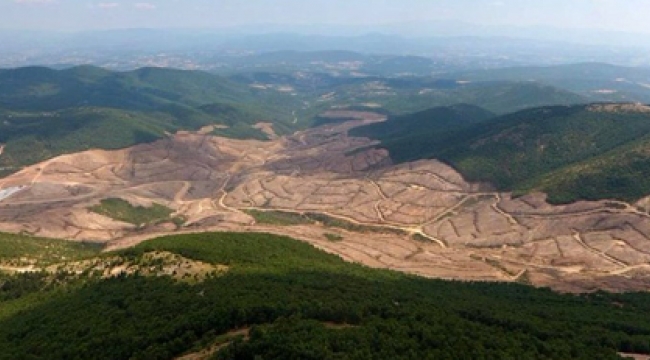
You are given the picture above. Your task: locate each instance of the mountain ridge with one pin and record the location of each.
(99, 108)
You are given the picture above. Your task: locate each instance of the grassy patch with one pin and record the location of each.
(333, 222)
(333, 237)
(21, 250)
(281, 218)
(122, 210)
(420, 238)
(179, 221)
(615, 205)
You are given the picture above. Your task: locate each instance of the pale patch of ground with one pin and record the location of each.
(604, 91)
(350, 114)
(285, 88)
(452, 229)
(19, 269)
(259, 86)
(371, 105)
(157, 263)
(635, 356)
(631, 107)
(7, 192)
(227, 338)
(208, 129)
(224, 340)
(266, 128)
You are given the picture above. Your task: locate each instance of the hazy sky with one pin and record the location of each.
(622, 15)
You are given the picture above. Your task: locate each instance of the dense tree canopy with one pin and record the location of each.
(296, 302)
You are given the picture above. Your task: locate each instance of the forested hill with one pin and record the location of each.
(46, 112)
(45, 89)
(259, 296)
(407, 136)
(596, 151)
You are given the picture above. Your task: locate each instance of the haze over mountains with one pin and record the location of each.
(132, 48)
(426, 189)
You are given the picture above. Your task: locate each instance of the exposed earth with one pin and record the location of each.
(434, 223)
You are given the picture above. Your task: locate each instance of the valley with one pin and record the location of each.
(418, 217)
(311, 180)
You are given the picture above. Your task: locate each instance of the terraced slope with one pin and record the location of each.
(344, 195)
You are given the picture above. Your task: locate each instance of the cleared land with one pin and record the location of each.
(435, 223)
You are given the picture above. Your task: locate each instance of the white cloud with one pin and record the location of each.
(145, 6)
(111, 5)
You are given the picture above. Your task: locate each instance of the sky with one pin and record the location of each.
(76, 15)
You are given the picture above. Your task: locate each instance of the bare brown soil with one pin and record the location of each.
(452, 229)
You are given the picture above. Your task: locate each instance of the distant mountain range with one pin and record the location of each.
(596, 81)
(464, 49)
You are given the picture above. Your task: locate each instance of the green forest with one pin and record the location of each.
(569, 152)
(46, 112)
(283, 299)
(413, 136)
(122, 210)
